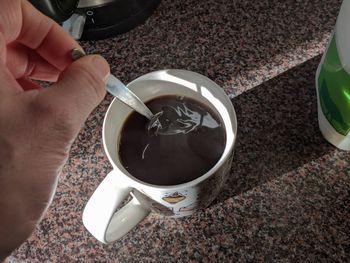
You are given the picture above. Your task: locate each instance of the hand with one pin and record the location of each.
(38, 126)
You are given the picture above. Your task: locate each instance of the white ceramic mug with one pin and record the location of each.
(100, 216)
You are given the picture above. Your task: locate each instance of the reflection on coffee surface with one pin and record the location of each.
(187, 142)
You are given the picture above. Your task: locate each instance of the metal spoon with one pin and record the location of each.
(121, 92)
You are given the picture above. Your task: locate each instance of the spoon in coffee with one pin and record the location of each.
(162, 123)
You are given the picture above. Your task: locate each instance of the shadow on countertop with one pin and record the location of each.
(277, 129)
(288, 196)
(235, 43)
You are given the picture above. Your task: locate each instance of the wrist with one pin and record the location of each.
(13, 240)
(16, 224)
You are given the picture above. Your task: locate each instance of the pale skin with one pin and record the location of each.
(38, 126)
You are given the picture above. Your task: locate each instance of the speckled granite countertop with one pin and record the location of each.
(288, 199)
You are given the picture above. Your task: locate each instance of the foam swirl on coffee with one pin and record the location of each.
(176, 119)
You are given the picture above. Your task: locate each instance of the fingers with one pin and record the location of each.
(21, 22)
(80, 88)
(27, 84)
(7, 82)
(2, 47)
(24, 62)
(46, 37)
(10, 19)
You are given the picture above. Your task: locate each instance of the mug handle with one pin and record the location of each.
(100, 217)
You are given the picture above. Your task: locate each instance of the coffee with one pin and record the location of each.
(190, 142)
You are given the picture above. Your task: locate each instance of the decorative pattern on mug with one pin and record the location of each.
(174, 198)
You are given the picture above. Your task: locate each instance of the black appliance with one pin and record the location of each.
(97, 19)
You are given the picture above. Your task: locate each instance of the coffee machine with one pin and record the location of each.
(97, 19)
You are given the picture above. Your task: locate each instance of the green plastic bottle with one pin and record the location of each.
(333, 84)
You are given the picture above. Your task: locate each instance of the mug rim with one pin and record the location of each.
(193, 182)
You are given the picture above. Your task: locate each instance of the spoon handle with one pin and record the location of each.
(120, 91)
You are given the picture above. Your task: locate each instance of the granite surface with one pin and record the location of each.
(288, 197)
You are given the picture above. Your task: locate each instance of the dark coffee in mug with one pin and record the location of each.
(188, 142)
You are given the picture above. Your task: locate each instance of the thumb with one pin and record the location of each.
(80, 88)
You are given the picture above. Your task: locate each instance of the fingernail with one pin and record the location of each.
(102, 67)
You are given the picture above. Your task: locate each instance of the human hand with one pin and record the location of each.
(38, 126)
